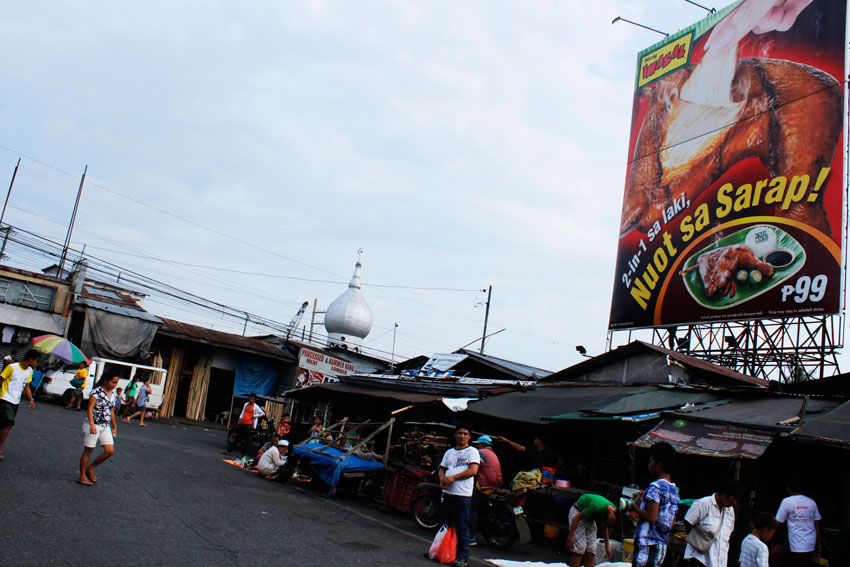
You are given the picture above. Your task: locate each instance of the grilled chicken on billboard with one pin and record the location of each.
(765, 119)
(716, 267)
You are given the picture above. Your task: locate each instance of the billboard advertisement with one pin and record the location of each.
(315, 367)
(734, 198)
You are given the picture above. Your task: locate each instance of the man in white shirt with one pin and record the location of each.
(15, 380)
(714, 514)
(457, 479)
(273, 460)
(800, 513)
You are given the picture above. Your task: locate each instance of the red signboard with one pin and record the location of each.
(734, 198)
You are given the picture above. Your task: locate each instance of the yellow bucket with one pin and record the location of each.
(628, 550)
(550, 531)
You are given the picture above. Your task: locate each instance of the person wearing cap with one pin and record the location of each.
(489, 478)
(274, 460)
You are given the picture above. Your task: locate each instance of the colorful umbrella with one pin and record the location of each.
(59, 347)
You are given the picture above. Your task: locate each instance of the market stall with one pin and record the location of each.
(341, 452)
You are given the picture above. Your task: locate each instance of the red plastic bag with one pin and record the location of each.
(448, 548)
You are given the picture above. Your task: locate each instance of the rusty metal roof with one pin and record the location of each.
(198, 334)
(712, 373)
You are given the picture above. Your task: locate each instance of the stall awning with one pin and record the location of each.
(531, 406)
(832, 427)
(762, 412)
(642, 405)
(324, 391)
(709, 439)
(32, 319)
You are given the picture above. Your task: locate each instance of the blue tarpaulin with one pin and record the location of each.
(255, 376)
(328, 466)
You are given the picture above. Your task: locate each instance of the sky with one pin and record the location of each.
(461, 145)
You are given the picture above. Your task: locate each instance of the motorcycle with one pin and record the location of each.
(502, 519)
(425, 506)
(250, 444)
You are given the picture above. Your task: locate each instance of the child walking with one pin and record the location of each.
(754, 551)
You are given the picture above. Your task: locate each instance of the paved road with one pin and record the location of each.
(167, 498)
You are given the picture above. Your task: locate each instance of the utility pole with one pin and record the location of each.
(71, 224)
(392, 360)
(14, 174)
(486, 317)
(313, 319)
(3, 214)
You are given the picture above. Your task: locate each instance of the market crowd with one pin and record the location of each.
(471, 468)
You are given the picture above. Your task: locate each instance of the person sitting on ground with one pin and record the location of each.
(656, 508)
(266, 446)
(79, 383)
(539, 454)
(589, 511)
(754, 551)
(273, 462)
(248, 418)
(142, 402)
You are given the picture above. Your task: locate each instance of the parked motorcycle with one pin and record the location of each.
(249, 444)
(425, 506)
(502, 520)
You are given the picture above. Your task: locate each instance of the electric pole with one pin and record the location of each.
(486, 317)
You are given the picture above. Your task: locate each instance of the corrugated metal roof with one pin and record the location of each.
(531, 406)
(517, 369)
(702, 368)
(764, 412)
(831, 427)
(322, 391)
(124, 310)
(211, 336)
(113, 301)
(649, 402)
(32, 319)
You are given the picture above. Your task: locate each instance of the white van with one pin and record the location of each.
(57, 383)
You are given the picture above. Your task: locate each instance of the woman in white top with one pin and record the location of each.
(98, 427)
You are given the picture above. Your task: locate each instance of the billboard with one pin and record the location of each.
(315, 367)
(734, 198)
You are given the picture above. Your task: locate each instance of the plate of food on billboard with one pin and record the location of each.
(734, 198)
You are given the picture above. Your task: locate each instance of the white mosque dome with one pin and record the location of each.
(348, 320)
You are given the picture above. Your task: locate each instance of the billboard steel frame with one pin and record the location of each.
(785, 350)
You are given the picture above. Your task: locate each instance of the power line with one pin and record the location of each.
(278, 276)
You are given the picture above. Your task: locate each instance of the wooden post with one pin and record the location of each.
(230, 413)
(389, 439)
(169, 394)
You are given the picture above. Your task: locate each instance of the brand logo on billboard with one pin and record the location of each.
(665, 59)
